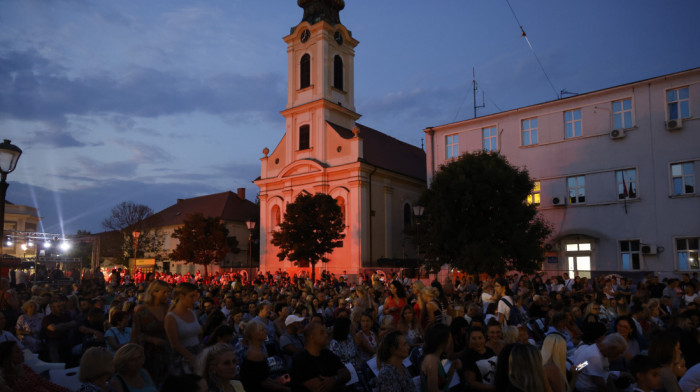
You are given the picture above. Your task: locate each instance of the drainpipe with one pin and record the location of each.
(431, 132)
(370, 214)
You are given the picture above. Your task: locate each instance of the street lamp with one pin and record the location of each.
(251, 226)
(9, 155)
(418, 211)
(136, 235)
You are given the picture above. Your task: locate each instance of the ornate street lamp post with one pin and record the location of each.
(9, 155)
(251, 226)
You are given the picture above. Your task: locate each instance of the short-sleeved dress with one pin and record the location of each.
(157, 357)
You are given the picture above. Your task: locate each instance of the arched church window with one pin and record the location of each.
(338, 72)
(275, 217)
(305, 71)
(341, 204)
(304, 137)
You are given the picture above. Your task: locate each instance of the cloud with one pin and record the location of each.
(56, 138)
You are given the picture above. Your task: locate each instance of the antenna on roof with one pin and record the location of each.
(564, 91)
(483, 105)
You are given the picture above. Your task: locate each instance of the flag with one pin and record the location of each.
(624, 188)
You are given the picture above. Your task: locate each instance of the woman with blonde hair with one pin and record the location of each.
(148, 329)
(525, 370)
(28, 326)
(217, 365)
(183, 328)
(96, 368)
(130, 375)
(554, 362)
(434, 311)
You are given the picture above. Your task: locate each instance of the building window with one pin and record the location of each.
(451, 146)
(683, 178)
(305, 71)
(572, 123)
(678, 101)
(578, 256)
(275, 217)
(630, 255)
(534, 197)
(338, 72)
(490, 139)
(622, 114)
(687, 252)
(577, 189)
(529, 131)
(626, 183)
(304, 137)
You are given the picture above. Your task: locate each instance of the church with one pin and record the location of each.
(375, 178)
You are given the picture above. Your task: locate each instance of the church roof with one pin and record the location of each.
(227, 206)
(386, 152)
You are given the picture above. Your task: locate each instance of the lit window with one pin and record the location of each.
(572, 123)
(338, 72)
(622, 114)
(626, 184)
(451, 146)
(678, 101)
(529, 131)
(577, 189)
(305, 71)
(490, 139)
(630, 255)
(534, 197)
(687, 253)
(304, 137)
(683, 178)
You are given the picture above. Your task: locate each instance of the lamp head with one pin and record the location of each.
(9, 155)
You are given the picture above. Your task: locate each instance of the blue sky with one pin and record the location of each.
(151, 101)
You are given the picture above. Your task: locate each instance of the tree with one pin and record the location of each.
(476, 217)
(128, 217)
(203, 241)
(313, 226)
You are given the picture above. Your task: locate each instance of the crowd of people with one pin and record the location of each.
(192, 332)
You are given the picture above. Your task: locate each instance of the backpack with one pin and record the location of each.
(516, 316)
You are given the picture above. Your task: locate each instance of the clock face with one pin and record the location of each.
(338, 38)
(305, 35)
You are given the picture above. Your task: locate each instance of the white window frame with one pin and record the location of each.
(492, 138)
(578, 186)
(685, 178)
(528, 132)
(452, 146)
(675, 102)
(572, 123)
(692, 254)
(621, 112)
(627, 178)
(630, 253)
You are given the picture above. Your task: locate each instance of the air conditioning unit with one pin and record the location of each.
(649, 249)
(551, 247)
(617, 134)
(674, 124)
(558, 201)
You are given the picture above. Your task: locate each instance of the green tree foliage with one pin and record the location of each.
(312, 227)
(202, 241)
(477, 220)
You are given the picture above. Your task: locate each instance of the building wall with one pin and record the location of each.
(655, 217)
(20, 218)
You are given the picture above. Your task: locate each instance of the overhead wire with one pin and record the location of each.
(524, 35)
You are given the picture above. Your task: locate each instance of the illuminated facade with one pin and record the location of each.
(19, 218)
(373, 177)
(615, 172)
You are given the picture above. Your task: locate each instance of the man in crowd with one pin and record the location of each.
(596, 376)
(317, 369)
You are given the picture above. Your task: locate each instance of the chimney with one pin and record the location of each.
(241, 193)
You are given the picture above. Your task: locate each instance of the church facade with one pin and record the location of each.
(375, 178)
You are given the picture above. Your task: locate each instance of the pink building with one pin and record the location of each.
(374, 178)
(615, 172)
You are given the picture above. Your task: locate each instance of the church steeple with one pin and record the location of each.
(318, 10)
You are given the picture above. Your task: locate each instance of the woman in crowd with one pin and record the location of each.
(479, 362)
(20, 377)
(119, 334)
(526, 373)
(365, 339)
(665, 348)
(410, 327)
(624, 325)
(96, 368)
(148, 329)
(554, 360)
(433, 377)
(183, 329)
(255, 371)
(130, 375)
(393, 375)
(29, 327)
(341, 344)
(395, 301)
(435, 313)
(217, 364)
